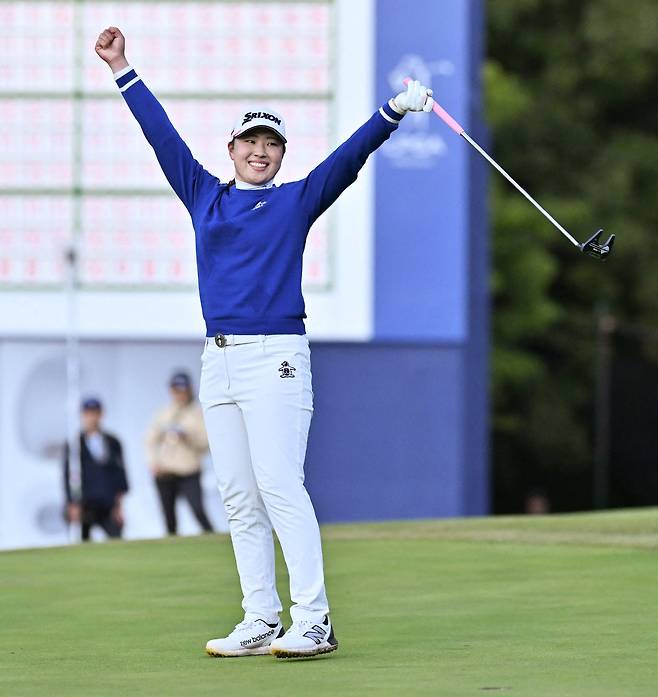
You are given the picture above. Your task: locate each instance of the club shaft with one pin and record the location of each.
(544, 212)
(458, 129)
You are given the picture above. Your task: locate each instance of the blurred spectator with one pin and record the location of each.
(176, 442)
(537, 502)
(103, 476)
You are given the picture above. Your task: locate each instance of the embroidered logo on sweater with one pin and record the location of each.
(286, 370)
(260, 204)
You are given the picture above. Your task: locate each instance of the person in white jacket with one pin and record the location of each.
(176, 443)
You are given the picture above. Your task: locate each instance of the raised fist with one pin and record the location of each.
(110, 46)
(416, 98)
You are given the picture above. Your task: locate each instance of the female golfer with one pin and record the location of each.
(256, 375)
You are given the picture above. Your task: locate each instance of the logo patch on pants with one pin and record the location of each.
(286, 370)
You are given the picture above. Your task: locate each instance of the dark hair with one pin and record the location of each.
(283, 145)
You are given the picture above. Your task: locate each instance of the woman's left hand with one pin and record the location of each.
(416, 98)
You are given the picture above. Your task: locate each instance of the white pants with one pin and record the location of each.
(257, 402)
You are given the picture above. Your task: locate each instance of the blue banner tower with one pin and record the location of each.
(401, 423)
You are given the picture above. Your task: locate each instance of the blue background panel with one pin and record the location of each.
(422, 193)
(388, 437)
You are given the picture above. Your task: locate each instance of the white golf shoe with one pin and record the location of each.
(305, 638)
(249, 638)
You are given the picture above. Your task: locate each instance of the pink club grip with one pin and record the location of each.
(442, 113)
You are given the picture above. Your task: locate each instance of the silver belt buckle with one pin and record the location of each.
(220, 340)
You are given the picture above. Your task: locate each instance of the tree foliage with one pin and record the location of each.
(571, 102)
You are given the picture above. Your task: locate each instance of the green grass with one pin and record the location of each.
(562, 606)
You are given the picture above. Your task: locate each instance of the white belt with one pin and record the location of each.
(222, 340)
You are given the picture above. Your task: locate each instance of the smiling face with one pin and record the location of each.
(256, 155)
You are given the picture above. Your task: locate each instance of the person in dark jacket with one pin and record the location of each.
(103, 476)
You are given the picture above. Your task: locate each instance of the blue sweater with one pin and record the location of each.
(249, 256)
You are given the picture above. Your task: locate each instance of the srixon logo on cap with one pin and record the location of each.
(251, 115)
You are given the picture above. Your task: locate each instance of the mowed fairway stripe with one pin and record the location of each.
(423, 608)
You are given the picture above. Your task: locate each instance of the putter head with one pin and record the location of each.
(593, 248)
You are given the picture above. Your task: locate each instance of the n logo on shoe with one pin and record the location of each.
(315, 633)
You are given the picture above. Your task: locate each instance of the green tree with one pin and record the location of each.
(571, 101)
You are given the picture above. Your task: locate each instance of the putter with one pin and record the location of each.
(593, 246)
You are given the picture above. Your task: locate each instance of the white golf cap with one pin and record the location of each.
(259, 117)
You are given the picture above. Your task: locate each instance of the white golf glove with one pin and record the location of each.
(416, 98)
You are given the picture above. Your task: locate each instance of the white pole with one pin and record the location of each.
(73, 385)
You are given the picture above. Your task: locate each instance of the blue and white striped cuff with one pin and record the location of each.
(391, 114)
(126, 78)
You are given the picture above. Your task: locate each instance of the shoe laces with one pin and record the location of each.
(245, 624)
(301, 626)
